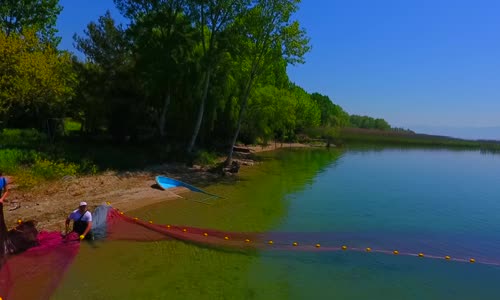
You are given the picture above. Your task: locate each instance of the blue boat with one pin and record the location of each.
(167, 183)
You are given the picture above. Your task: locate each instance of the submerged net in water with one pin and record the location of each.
(36, 273)
(32, 263)
(447, 247)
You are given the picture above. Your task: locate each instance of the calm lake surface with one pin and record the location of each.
(440, 202)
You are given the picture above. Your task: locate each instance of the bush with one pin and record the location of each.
(88, 167)
(21, 138)
(30, 167)
(25, 178)
(205, 158)
(327, 133)
(46, 169)
(72, 125)
(12, 159)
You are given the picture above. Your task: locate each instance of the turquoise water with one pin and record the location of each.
(445, 202)
(440, 202)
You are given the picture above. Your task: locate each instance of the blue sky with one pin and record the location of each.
(433, 66)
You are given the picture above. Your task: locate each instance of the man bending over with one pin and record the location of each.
(82, 222)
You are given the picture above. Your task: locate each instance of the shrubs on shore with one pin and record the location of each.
(20, 157)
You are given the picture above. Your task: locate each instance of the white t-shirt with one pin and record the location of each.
(75, 216)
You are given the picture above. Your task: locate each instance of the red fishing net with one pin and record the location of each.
(32, 263)
(36, 273)
(122, 227)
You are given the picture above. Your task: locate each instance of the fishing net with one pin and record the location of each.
(36, 273)
(32, 263)
(461, 248)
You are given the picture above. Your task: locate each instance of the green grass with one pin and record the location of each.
(29, 156)
(21, 138)
(20, 157)
(72, 125)
(206, 158)
(356, 135)
(30, 167)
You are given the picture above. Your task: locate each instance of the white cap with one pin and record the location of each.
(83, 203)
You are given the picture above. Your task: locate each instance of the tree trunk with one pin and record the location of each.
(229, 159)
(163, 116)
(200, 113)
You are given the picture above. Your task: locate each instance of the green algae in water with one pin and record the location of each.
(448, 196)
(176, 270)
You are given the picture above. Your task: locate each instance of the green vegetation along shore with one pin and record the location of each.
(367, 136)
(181, 81)
(186, 75)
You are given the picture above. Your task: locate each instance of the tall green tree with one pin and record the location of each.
(271, 113)
(331, 114)
(381, 124)
(106, 45)
(163, 42)
(211, 18)
(37, 15)
(89, 104)
(307, 111)
(367, 122)
(36, 80)
(268, 34)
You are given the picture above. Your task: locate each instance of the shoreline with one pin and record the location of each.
(50, 203)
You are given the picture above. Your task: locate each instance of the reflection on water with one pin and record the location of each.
(438, 200)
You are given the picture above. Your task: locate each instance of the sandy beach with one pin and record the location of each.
(51, 202)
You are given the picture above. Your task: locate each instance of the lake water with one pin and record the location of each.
(440, 202)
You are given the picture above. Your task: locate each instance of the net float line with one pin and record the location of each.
(253, 241)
